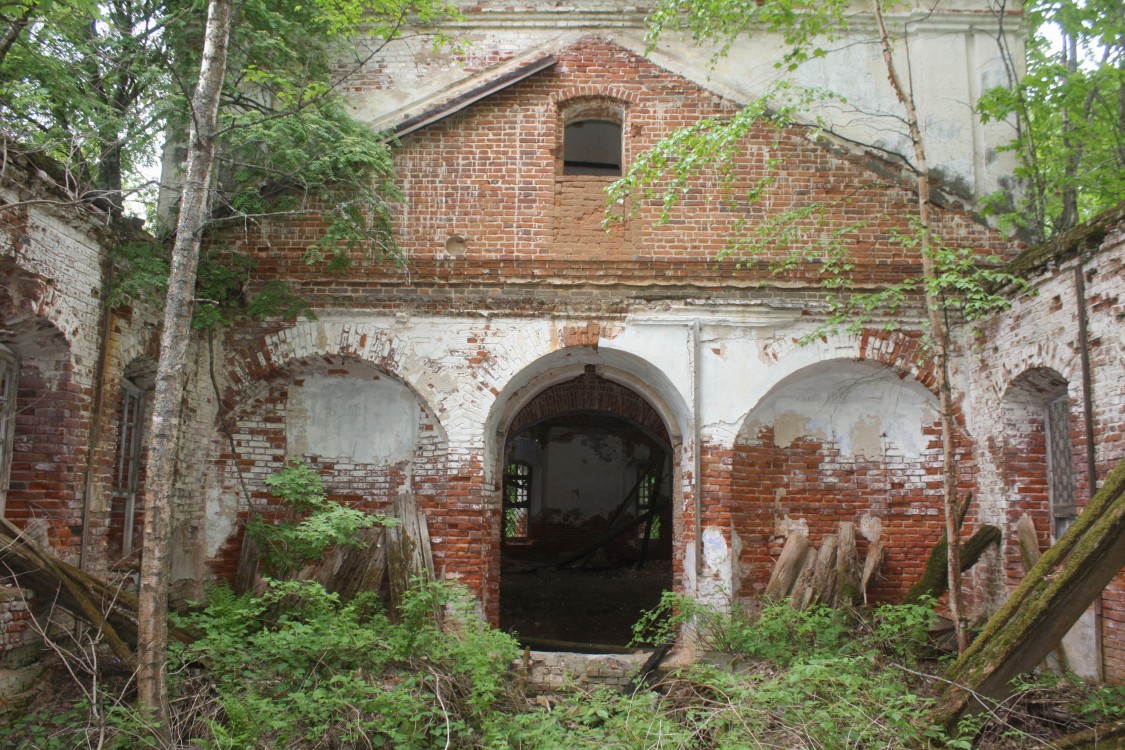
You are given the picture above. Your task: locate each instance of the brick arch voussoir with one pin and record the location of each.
(603, 396)
(1049, 355)
(901, 351)
(589, 91)
(279, 354)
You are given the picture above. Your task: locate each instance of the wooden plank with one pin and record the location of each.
(1029, 542)
(824, 576)
(935, 578)
(1029, 556)
(804, 580)
(788, 566)
(847, 566)
(1069, 576)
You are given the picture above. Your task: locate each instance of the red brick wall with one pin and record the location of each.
(489, 175)
(1040, 336)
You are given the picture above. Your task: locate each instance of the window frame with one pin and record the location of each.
(127, 457)
(517, 478)
(9, 394)
(592, 109)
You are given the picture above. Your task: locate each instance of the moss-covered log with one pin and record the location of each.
(1056, 591)
(107, 608)
(935, 580)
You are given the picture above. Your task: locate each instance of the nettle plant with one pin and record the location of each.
(311, 522)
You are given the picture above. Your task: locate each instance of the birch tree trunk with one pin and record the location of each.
(939, 330)
(152, 631)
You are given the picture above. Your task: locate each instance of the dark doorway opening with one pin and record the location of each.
(587, 527)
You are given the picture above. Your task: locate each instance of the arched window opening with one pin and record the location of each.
(592, 147)
(9, 375)
(127, 461)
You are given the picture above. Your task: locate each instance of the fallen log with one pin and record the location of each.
(1029, 555)
(105, 607)
(935, 578)
(1069, 576)
(1101, 737)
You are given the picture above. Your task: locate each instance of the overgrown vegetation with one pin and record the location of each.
(295, 667)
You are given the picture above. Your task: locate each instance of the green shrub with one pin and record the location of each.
(330, 674)
(315, 524)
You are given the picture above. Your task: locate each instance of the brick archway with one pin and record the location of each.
(581, 435)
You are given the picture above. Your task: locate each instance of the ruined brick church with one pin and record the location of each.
(529, 371)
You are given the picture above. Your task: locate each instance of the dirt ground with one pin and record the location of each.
(582, 606)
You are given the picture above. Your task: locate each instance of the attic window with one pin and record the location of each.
(592, 147)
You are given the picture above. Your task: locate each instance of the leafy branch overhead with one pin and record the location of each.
(96, 87)
(1066, 114)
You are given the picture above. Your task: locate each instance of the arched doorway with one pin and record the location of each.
(587, 528)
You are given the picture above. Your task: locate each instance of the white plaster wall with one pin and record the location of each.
(365, 421)
(745, 352)
(865, 408)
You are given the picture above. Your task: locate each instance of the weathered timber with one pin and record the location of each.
(1029, 542)
(350, 569)
(935, 581)
(1109, 736)
(249, 556)
(1029, 555)
(847, 566)
(1069, 576)
(824, 575)
(788, 566)
(875, 551)
(105, 607)
(409, 555)
(804, 580)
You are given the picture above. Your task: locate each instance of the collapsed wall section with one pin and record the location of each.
(1048, 400)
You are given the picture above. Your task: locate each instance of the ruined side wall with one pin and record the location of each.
(1028, 354)
(72, 358)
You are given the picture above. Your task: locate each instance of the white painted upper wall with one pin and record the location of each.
(950, 56)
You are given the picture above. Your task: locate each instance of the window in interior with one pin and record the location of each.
(1060, 472)
(648, 488)
(592, 147)
(9, 375)
(126, 464)
(517, 500)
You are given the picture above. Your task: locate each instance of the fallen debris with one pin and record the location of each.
(935, 578)
(105, 607)
(1069, 576)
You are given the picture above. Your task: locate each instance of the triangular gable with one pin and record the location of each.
(462, 94)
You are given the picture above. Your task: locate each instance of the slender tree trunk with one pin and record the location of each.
(152, 631)
(15, 28)
(940, 332)
(1069, 215)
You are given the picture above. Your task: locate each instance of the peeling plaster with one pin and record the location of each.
(866, 409)
(366, 421)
